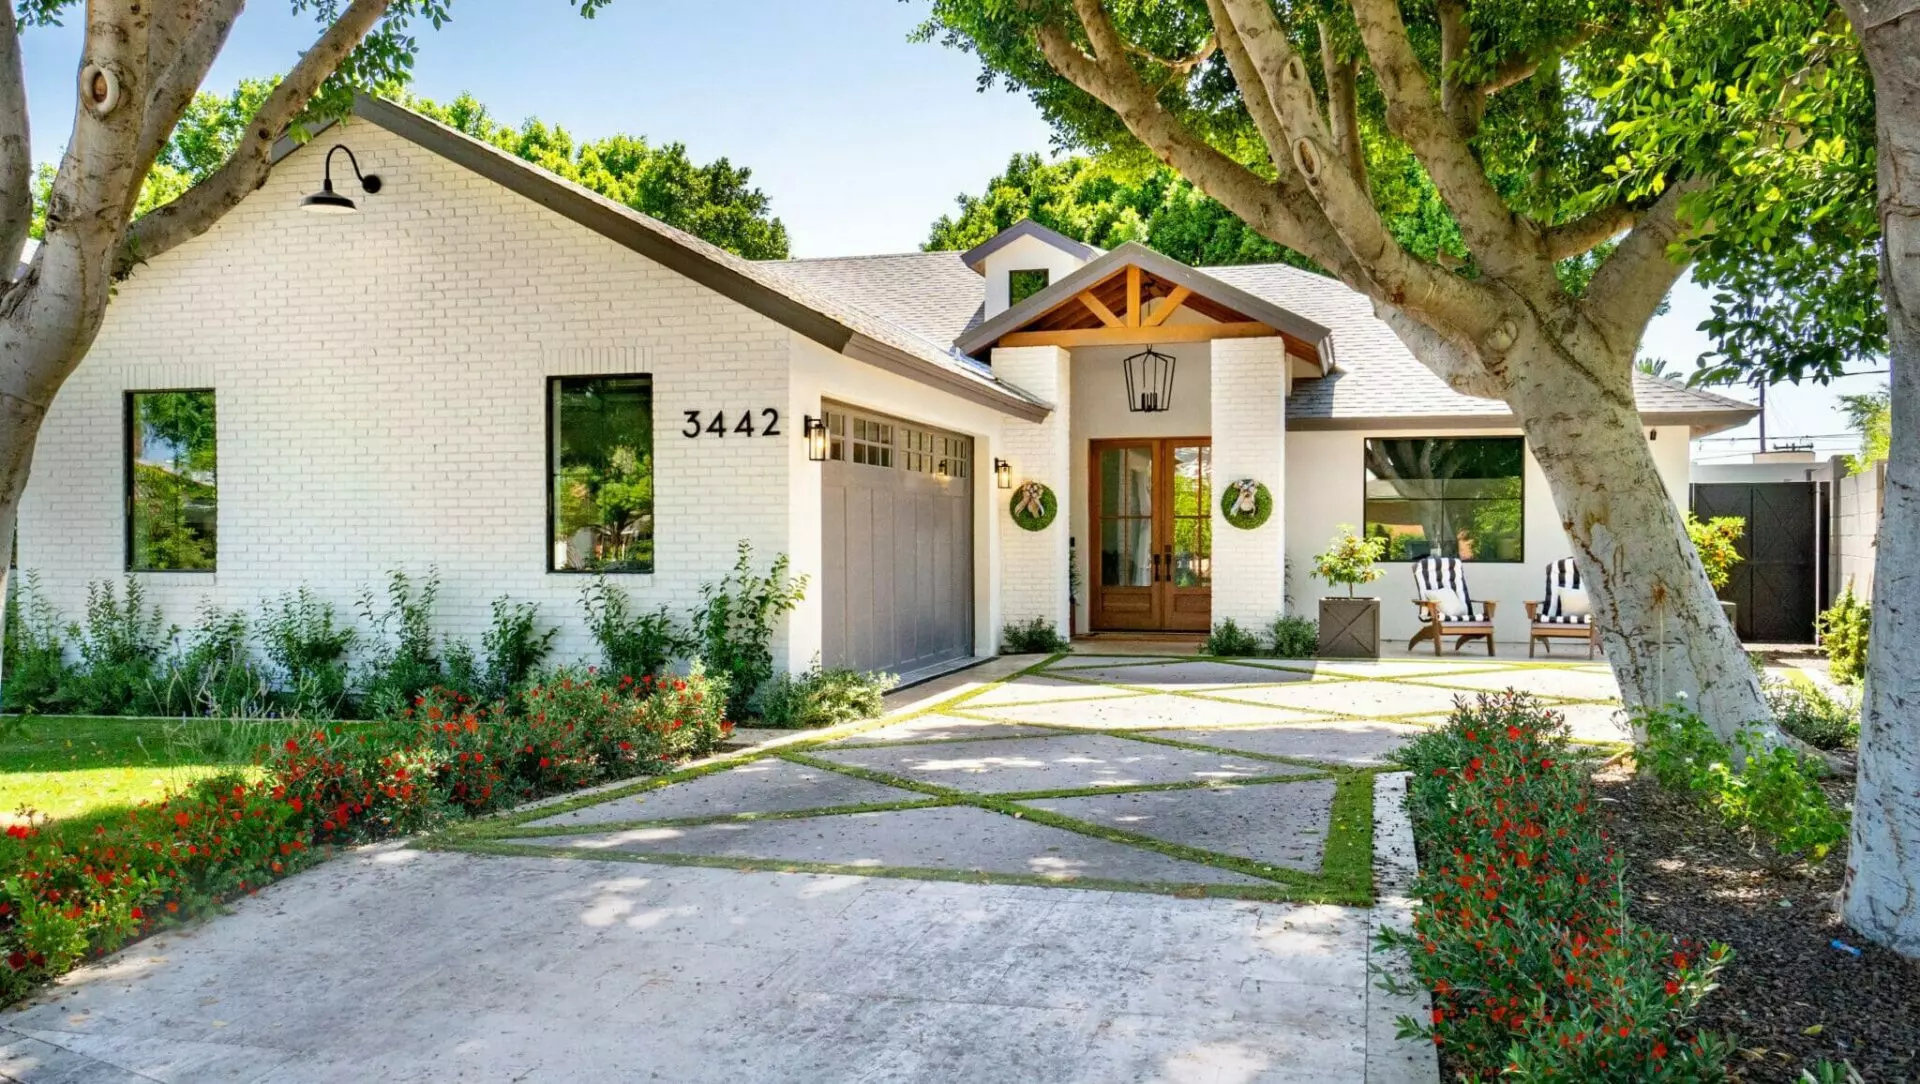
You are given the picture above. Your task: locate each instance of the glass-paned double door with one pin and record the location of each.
(1152, 521)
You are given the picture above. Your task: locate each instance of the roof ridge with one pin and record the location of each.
(864, 256)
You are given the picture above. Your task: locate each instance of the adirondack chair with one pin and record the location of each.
(1469, 620)
(1549, 620)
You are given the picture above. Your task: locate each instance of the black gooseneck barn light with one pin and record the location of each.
(327, 201)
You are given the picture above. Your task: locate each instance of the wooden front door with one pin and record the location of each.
(1152, 520)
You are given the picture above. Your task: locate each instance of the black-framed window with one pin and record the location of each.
(1447, 497)
(600, 473)
(1026, 282)
(172, 480)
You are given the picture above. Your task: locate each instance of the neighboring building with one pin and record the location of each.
(499, 374)
(1811, 532)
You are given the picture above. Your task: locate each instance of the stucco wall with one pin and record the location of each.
(1856, 527)
(1325, 489)
(380, 388)
(1023, 254)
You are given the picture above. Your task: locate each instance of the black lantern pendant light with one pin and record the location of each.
(327, 201)
(1149, 381)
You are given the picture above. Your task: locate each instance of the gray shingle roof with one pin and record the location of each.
(935, 295)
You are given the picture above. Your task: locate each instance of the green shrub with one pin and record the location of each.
(512, 648)
(1228, 639)
(407, 664)
(631, 645)
(216, 674)
(1773, 794)
(1034, 636)
(821, 697)
(733, 626)
(121, 648)
(1522, 933)
(1293, 637)
(298, 633)
(36, 667)
(1844, 629)
(1717, 540)
(1808, 712)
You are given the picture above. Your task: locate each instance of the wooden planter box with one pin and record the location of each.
(1349, 628)
(1732, 610)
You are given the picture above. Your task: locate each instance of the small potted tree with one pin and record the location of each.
(1350, 626)
(1718, 542)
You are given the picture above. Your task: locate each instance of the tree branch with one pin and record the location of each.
(1390, 273)
(1505, 248)
(1628, 288)
(1186, 63)
(1343, 105)
(1459, 100)
(199, 207)
(179, 72)
(1587, 232)
(1259, 202)
(16, 149)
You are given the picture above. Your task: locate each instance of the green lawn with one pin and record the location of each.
(66, 766)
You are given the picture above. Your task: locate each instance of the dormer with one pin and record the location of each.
(1022, 260)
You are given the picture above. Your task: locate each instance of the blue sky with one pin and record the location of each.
(860, 137)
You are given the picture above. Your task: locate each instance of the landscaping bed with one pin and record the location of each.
(1789, 999)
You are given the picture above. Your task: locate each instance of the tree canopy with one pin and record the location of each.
(715, 201)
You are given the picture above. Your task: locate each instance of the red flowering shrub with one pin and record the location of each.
(68, 892)
(1522, 933)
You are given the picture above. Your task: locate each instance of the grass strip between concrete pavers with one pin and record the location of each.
(1318, 888)
(1277, 893)
(548, 807)
(1149, 788)
(529, 831)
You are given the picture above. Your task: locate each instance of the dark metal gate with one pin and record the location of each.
(1775, 586)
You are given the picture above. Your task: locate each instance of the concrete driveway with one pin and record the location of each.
(1105, 869)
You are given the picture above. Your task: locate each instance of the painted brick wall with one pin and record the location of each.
(1033, 579)
(1249, 405)
(380, 382)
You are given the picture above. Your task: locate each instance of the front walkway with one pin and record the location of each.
(1101, 869)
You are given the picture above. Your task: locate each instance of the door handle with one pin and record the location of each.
(1156, 568)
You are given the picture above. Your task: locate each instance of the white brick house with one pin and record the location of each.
(385, 392)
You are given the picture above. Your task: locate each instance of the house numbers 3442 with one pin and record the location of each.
(720, 423)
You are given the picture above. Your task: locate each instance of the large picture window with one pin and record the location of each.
(1448, 497)
(172, 491)
(600, 462)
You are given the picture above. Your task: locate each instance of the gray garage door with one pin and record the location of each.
(897, 528)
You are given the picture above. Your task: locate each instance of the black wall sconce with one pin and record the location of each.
(327, 201)
(815, 431)
(1002, 474)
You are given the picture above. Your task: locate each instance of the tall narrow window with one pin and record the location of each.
(172, 491)
(600, 461)
(1458, 497)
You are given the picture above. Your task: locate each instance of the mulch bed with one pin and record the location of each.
(1789, 998)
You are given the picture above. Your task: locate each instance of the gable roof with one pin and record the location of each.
(1026, 227)
(823, 317)
(1211, 287)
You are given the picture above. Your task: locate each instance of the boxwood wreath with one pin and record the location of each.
(1234, 504)
(1033, 507)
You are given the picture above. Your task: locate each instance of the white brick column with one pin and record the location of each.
(1249, 441)
(1033, 564)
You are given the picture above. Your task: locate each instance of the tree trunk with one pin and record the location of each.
(1881, 898)
(1660, 622)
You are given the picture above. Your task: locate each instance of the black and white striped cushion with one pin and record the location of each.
(1562, 573)
(1442, 573)
(1563, 619)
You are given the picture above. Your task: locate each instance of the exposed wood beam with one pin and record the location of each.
(1174, 300)
(1138, 336)
(1099, 308)
(1133, 295)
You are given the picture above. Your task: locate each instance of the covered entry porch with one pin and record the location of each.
(1169, 387)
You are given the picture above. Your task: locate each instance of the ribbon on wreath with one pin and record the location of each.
(1030, 502)
(1248, 502)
